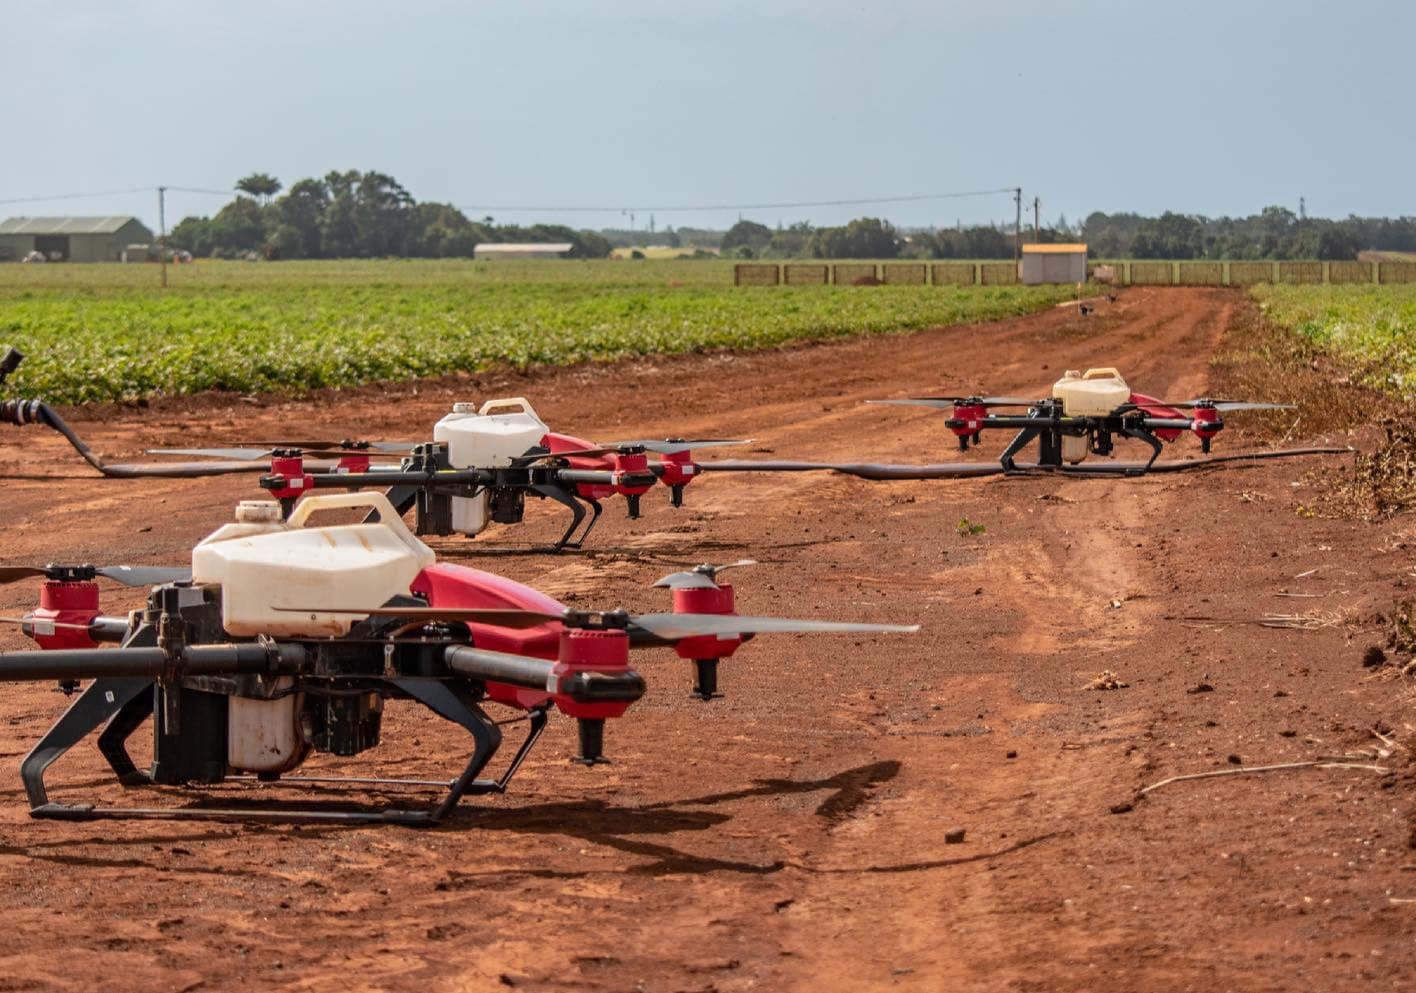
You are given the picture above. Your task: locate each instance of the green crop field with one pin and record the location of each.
(1373, 324)
(107, 332)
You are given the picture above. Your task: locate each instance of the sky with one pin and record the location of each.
(646, 106)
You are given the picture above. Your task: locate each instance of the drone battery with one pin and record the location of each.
(508, 505)
(343, 725)
(194, 750)
(433, 513)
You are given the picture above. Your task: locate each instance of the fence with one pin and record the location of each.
(1135, 272)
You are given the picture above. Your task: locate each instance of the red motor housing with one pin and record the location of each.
(1207, 424)
(584, 650)
(706, 600)
(353, 463)
(64, 603)
(705, 651)
(291, 469)
(971, 417)
(634, 462)
(679, 469)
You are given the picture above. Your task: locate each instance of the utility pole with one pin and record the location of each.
(162, 229)
(1302, 209)
(1037, 224)
(1017, 224)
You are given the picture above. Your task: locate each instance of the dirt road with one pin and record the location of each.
(792, 836)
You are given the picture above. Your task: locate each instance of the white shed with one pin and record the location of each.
(1058, 263)
(522, 250)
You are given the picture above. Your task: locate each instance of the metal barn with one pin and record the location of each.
(72, 239)
(1059, 263)
(523, 250)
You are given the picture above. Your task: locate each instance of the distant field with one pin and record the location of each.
(106, 332)
(1375, 324)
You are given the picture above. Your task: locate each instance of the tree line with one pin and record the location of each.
(353, 214)
(356, 214)
(873, 238)
(1274, 233)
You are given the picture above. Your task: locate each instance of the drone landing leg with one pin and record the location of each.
(437, 697)
(480, 787)
(1015, 446)
(112, 739)
(561, 496)
(596, 510)
(103, 699)
(1141, 434)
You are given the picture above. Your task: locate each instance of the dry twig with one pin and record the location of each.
(1326, 763)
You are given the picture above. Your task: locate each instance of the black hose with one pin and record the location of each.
(22, 412)
(973, 470)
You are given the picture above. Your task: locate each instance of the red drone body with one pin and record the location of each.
(622, 464)
(1152, 407)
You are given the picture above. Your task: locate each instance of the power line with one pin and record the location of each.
(198, 189)
(116, 193)
(737, 206)
(80, 196)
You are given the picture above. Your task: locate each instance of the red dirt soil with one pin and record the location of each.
(792, 836)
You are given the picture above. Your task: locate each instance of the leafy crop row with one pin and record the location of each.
(1374, 324)
(103, 333)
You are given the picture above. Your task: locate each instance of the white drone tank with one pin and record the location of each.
(1096, 393)
(262, 565)
(482, 439)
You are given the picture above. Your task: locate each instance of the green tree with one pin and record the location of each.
(260, 185)
(192, 234)
(862, 238)
(755, 236)
(238, 227)
(300, 213)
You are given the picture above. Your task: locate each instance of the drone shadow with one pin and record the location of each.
(621, 828)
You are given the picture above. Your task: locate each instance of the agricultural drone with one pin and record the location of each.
(286, 638)
(483, 462)
(1082, 417)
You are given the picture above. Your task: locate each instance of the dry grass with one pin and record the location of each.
(1259, 359)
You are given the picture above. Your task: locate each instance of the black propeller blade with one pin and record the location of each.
(128, 575)
(347, 445)
(669, 627)
(956, 401)
(1227, 405)
(673, 446)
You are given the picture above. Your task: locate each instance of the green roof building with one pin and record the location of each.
(71, 239)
